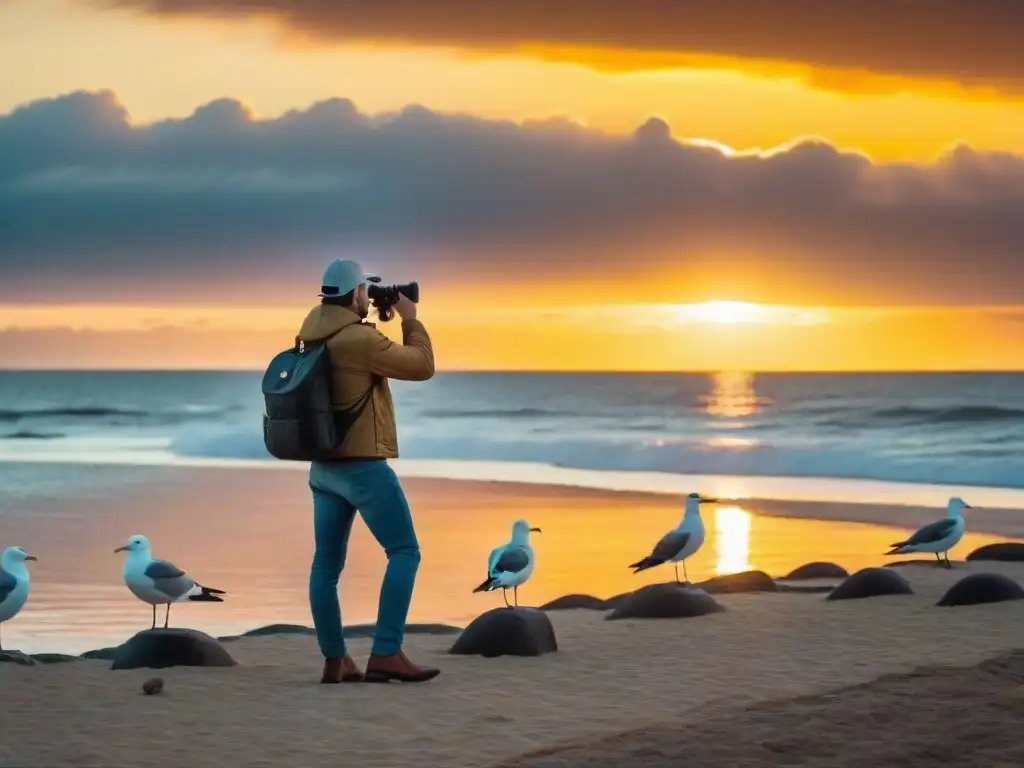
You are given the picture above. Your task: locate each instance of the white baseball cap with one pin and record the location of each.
(342, 276)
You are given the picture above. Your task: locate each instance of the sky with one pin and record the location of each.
(651, 185)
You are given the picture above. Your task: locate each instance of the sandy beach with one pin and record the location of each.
(248, 533)
(607, 677)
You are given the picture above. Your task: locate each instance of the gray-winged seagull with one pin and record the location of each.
(14, 583)
(938, 537)
(679, 544)
(159, 582)
(510, 565)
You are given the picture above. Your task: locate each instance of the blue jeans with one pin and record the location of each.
(372, 488)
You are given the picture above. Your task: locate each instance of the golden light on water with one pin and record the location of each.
(732, 540)
(732, 395)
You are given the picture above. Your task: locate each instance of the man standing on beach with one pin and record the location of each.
(358, 477)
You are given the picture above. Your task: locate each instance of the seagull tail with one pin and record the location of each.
(207, 595)
(486, 586)
(648, 562)
(898, 549)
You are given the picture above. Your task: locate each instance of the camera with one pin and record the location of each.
(382, 297)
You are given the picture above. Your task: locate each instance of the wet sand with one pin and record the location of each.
(248, 531)
(608, 677)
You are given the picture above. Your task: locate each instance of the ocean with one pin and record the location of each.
(955, 428)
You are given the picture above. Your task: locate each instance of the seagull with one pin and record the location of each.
(14, 583)
(511, 564)
(159, 582)
(676, 546)
(938, 537)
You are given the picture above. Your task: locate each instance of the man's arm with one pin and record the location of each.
(413, 360)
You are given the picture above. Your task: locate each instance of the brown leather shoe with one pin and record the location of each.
(341, 671)
(384, 669)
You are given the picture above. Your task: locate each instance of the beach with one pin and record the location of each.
(607, 677)
(248, 532)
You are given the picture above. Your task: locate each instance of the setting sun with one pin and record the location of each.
(728, 312)
(747, 313)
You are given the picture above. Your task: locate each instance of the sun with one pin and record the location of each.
(724, 312)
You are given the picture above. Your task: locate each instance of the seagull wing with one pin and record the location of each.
(492, 560)
(169, 579)
(671, 544)
(931, 533)
(7, 584)
(512, 560)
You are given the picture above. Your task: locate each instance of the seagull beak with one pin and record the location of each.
(704, 500)
(536, 530)
(120, 549)
(33, 558)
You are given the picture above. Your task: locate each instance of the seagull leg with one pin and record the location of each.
(154, 616)
(948, 564)
(515, 595)
(504, 596)
(938, 559)
(676, 566)
(686, 579)
(167, 616)
(1, 640)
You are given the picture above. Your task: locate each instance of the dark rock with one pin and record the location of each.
(747, 581)
(871, 582)
(616, 600)
(665, 601)
(271, 630)
(153, 686)
(161, 648)
(982, 588)
(101, 654)
(53, 658)
(17, 657)
(817, 570)
(919, 562)
(1007, 552)
(573, 602)
(507, 632)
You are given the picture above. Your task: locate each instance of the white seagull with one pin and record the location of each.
(14, 583)
(677, 545)
(159, 582)
(938, 537)
(510, 565)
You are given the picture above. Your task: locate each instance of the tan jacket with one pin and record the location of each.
(359, 353)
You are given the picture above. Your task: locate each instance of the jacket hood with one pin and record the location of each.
(326, 320)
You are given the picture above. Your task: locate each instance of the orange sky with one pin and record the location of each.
(162, 67)
(698, 337)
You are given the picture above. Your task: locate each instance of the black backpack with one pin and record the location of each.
(299, 423)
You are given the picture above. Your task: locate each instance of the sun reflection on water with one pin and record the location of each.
(732, 395)
(732, 540)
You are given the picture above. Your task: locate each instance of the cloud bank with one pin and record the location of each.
(976, 42)
(225, 205)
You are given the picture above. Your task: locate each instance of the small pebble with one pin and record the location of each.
(153, 686)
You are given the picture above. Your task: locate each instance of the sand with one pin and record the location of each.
(608, 677)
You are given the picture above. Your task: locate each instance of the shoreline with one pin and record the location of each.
(736, 488)
(256, 543)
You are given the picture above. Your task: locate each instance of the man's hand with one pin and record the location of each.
(405, 307)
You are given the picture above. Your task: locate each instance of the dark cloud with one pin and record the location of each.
(91, 206)
(976, 42)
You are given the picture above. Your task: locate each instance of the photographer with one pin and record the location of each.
(357, 476)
